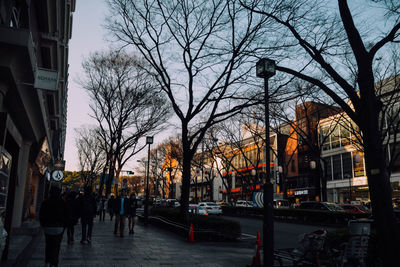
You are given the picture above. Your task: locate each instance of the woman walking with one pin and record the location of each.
(53, 216)
(132, 213)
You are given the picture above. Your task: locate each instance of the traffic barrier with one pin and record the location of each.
(257, 258)
(191, 235)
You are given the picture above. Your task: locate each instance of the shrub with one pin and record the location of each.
(214, 225)
(315, 216)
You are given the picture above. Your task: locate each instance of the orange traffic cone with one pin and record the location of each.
(191, 235)
(256, 258)
(258, 238)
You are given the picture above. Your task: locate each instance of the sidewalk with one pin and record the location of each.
(149, 246)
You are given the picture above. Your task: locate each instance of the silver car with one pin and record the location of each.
(211, 208)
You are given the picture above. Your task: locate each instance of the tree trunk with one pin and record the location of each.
(110, 179)
(379, 182)
(185, 184)
(381, 200)
(322, 176)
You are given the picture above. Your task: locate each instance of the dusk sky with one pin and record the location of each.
(87, 37)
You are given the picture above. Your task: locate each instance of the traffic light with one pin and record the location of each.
(130, 172)
(168, 169)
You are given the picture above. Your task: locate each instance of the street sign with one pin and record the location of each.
(47, 174)
(57, 175)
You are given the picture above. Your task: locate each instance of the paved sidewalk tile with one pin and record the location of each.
(149, 246)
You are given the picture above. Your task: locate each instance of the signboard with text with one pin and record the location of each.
(46, 79)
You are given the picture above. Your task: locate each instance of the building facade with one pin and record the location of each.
(342, 148)
(34, 38)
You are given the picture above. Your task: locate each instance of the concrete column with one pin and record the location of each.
(20, 184)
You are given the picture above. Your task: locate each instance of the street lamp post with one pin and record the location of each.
(149, 141)
(313, 166)
(265, 68)
(202, 170)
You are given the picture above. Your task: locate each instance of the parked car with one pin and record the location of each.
(197, 210)
(174, 203)
(160, 202)
(316, 205)
(223, 204)
(354, 208)
(244, 203)
(211, 207)
(281, 204)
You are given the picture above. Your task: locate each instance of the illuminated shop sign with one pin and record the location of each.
(301, 192)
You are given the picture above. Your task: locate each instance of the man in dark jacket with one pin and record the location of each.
(121, 209)
(110, 207)
(73, 209)
(88, 209)
(53, 218)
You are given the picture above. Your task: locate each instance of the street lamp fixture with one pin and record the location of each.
(266, 68)
(149, 141)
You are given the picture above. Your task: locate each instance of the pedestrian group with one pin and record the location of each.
(63, 211)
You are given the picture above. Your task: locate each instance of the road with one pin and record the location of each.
(286, 234)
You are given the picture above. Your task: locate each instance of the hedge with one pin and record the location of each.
(309, 216)
(205, 227)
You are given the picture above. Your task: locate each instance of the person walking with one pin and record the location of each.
(73, 216)
(53, 217)
(102, 208)
(121, 209)
(87, 204)
(110, 207)
(132, 213)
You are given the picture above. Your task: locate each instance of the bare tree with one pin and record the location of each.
(165, 165)
(202, 54)
(336, 51)
(126, 102)
(90, 154)
(304, 116)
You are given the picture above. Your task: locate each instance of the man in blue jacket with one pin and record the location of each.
(121, 210)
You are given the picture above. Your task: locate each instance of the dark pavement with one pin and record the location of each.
(286, 235)
(149, 246)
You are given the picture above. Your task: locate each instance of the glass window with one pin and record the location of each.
(344, 135)
(358, 163)
(395, 156)
(355, 133)
(337, 167)
(328, 167)
(335, 137)
(324, 138)
(346, 163)
(393, 119)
